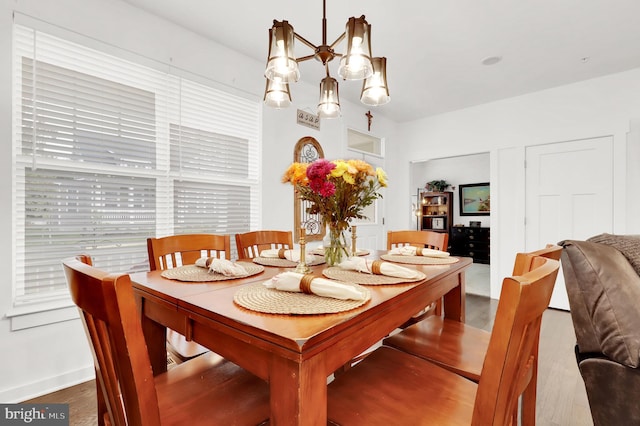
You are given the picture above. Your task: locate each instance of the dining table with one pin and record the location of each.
(296, 354)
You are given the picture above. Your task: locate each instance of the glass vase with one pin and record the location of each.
(335, 246)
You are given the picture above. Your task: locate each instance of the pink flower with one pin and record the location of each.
(318, 174)
(320, 169)
(328, 189)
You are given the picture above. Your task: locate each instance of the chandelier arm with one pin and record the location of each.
(305, 58)
(305, 41)
(338, 40)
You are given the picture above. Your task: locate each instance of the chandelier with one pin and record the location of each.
(356, 63)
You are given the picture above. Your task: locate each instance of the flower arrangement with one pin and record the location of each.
(338, 191)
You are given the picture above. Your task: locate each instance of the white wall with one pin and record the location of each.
(597, 107)
(41, 359)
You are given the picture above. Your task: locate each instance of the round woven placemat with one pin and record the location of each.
(419, 260)
(337, 273)
(284, 263)
(193, 273)
(359, 252)
(257, 297)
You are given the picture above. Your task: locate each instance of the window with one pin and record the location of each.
(364, 143)
(107, 152)
(307, 150)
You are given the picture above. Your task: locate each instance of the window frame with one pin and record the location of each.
(58, 303)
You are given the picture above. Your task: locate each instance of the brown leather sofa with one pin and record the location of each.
(604, 296)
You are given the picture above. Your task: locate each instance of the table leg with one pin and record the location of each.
(155, 335)
(454, 300)
(298, 392)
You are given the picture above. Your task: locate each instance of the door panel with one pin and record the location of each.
(569, 187)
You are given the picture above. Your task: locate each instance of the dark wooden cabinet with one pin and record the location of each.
(471, 242)
(436, 211)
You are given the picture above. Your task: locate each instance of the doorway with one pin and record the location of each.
(457, 170)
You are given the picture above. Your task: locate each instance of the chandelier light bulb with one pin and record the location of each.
(329, 104)
(375, 91)
(356, 64)
(277, 94)
(282, 62)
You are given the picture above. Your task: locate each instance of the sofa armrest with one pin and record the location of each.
(612, 389)
(603, 290)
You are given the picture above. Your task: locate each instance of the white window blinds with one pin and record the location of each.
(108, 152)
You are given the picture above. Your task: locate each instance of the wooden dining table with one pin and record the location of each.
(295, 354)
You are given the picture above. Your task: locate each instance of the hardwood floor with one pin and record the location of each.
(562, 399)
(82, 403)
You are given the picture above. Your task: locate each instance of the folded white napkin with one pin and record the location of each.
(389, 269)
(289, 254)
(222, 266)
(291, 281)
(417, 251)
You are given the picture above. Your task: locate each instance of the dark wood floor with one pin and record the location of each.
(562, 399)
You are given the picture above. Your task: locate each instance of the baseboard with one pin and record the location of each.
(48, 385)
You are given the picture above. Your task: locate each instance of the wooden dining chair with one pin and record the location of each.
(423, 239)
(176, 250)
(395, 387)
(462, 348)
(250, 244)
(204, 391)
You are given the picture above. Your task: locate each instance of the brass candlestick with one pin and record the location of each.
(302, 267)
(354, 251)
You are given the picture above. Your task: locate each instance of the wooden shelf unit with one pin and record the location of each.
(436, 211)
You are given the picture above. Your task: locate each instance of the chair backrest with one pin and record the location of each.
(509, 363)
(123, 369)
(428, 239)
(250, 244)
(163, 252)
(523, 260)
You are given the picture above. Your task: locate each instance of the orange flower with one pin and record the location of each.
(296, 174)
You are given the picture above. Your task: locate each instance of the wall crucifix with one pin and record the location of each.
(369, 118)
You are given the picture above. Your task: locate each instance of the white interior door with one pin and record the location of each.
(370, 231)
(569, 187)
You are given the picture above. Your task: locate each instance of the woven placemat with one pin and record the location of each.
(419, 260)
(284, 263)
(359, 252)
(337, 273)
(193, 273)
(259, 298)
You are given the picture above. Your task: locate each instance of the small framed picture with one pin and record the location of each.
(438, 223)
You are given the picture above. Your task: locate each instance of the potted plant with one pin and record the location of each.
(436, 186)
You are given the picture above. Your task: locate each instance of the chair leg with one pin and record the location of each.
(103, 414)
(529, 400)
(529, 395)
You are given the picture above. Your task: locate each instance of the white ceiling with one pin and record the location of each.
(434, 48)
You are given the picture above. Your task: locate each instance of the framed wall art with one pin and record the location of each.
(437, 223)
(475, 199)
